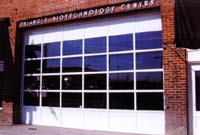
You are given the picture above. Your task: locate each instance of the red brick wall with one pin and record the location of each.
(6, 114)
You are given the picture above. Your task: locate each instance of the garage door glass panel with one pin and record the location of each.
(149, 60)
(121, 42)
(149, 40)
(121, 81)
(51, 66)
(121, 101)
(72, 82)
(95, 63)
(95, 82)
(31, 98)
(73, 100)
(150, 101)
(95, 45)
(72, 64)
(51, 49)
(72, 47)
(32, 82)
(50, 99)
(51, 82)
(149, 80)
(32, 66)
(32, 51)
(197, 77)
(95, 100)
(121, 62)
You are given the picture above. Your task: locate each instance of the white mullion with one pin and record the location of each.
(149, 50)
(71, 91)
(150, 91)
(134, 73)
(41, 69)
(83, 67)
(95, 54)
(95, 91)
(91, 73)
(30, 59)
(107, 70)
(122, 71)
(121, 52)
(150, 70)
(72, 56)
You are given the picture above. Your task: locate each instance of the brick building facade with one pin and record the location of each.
(174, 60)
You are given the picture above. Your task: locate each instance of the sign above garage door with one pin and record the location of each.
(87, 13)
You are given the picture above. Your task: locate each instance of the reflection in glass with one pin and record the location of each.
(72, 47)
(95, 82)
(95, 45)
(72, 82)
(121, 42)
(150, 101)
(32, 66)
(149, 60)
(72, 65)
(51, 99)
(95, 100)
(72, 100)
(95, 63)
(149, 80)
(149, 40)
(197, 77)
(121, 81)
(31, 98)
(121, 62)
(51, 82)
(32, 51)
(121, 101)
(51, 66)
(51, 49)
(32, 82)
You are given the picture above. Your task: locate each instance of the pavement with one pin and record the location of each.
(45, 130)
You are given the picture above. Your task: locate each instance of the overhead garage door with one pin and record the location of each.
(104, 74)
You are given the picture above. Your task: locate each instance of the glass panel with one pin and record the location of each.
(32, 66)
(121, 100)
(72, 65)
(95, 100)
(149, 60)
(32, 51)
(31, 98)
(72, 100)
(72, 82)
(150, 101)
(95, 63)
(149, 80)
(51, 99)
(197, 76)
(95, 45)
(121, 62)
(51, 66)
(51, 82)
(121, 81)
(72, 47)
(149, 40)
(121, 42)
(51, 49)
(32, 82)
(95, 82)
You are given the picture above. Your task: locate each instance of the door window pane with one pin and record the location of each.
(51, 49)
(149, 80)
(121, 81)
(72, 82)
(95, 100)
(32, 82)
(50, 99)
(32, 67)
(51, 82)
(95, 63)
(197, 73)
(31, 98)
(149, 40)
(72, 65)
(149, 60)
(95, 45)
(121, 62)
(121, 42)
(72, 47)
(95, 82)
(150, 101)
(51, 66)
(32, 51)
(72, 100)
(121, 100)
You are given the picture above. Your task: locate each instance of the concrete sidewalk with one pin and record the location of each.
(45, 130)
